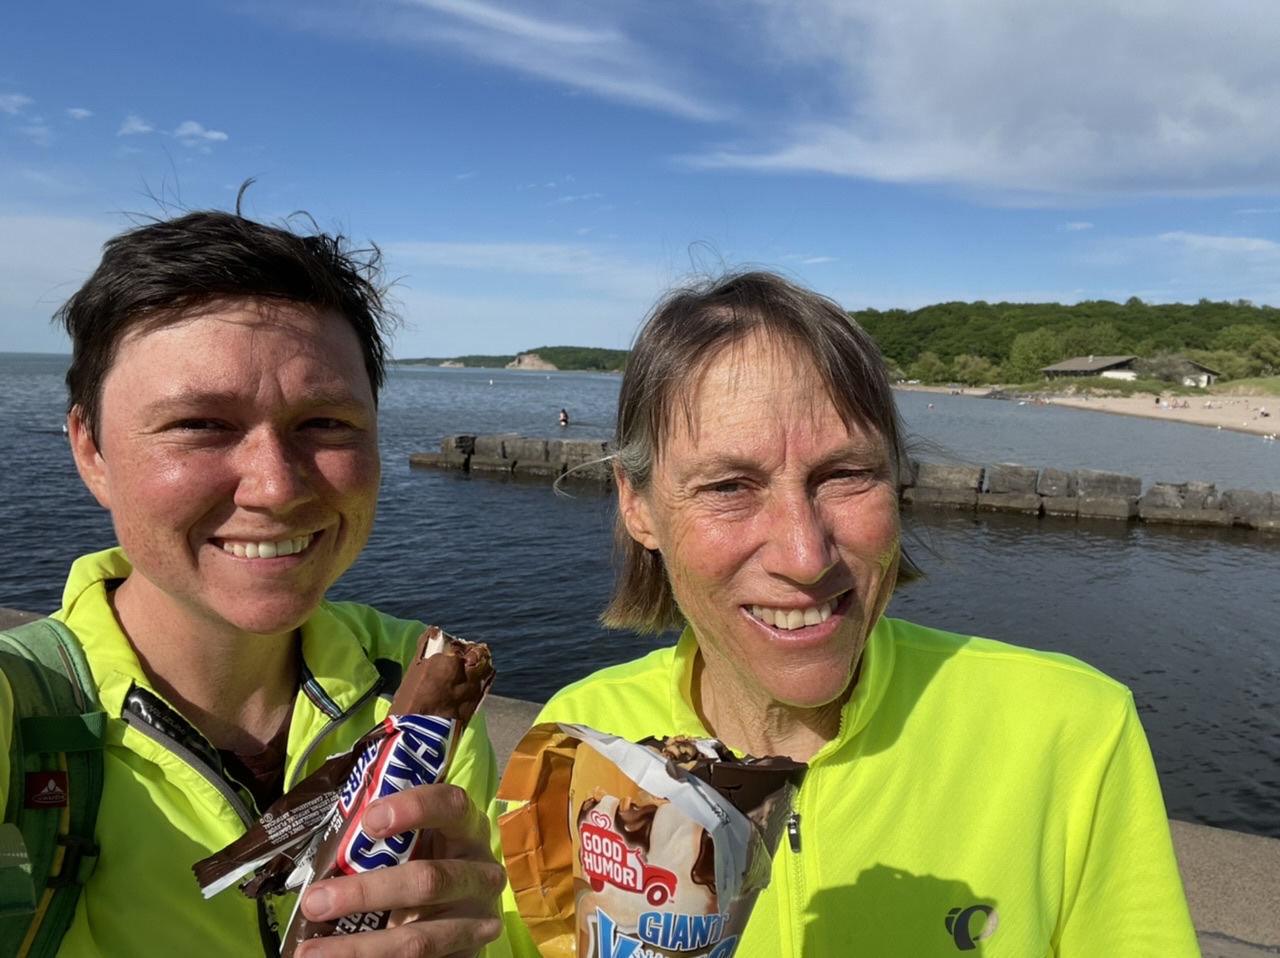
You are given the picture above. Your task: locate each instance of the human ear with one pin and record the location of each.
(633, 506)
(89, 461)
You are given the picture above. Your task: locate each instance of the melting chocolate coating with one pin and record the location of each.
(746, 782)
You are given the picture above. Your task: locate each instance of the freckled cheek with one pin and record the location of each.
(707, 551)
(166, 484)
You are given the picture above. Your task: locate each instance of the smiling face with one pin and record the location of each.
(238, 454)
(778, 527)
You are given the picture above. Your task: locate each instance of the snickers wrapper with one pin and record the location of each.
(657, 848)
(314, 830)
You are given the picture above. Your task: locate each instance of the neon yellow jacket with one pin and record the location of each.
(979, 798)
(163, 808)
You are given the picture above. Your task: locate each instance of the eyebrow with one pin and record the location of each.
(189, 400)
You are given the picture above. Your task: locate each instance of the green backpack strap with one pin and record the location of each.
(47, 848)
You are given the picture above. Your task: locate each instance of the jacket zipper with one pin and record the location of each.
(266, 912)
(301, 763)
(793, 831)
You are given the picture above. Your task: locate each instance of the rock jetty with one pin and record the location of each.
(1003, 487)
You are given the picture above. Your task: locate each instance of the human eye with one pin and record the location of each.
(852, 476)
(332, 428)
(197, 424)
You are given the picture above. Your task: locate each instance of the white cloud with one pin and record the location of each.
(38, 131)
(192, 133)
(582, 265)
(1088, 97)
(79, 113)
(133, 125)
(817, 260)
(1183, 266)
(13, 103)
(1077, 226)
(576, 199)
(580, 44)
(1237, 245)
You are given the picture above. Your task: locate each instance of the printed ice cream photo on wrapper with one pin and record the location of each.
(653, 849)
(314, 830)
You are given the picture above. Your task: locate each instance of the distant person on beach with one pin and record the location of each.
(564, 417)
(223, 405)
(959, 790)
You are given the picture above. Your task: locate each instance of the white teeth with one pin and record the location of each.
(267, 550)
(788, 619)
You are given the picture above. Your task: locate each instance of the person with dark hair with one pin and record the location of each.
(961, 793)
(223, 399)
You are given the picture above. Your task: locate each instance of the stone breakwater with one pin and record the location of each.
(510, 454)
(1088, 494)
(1003, 487)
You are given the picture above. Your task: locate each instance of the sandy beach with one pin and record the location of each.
(1240, 413)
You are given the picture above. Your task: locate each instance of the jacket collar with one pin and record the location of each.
(336, 669)
(872, 683)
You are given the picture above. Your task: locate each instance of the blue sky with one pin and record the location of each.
(538, 172)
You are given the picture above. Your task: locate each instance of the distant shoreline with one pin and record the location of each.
(1237, 413)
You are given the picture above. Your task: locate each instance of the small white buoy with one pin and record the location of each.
(490, 382)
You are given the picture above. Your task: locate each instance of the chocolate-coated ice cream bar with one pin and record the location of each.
(657, 848)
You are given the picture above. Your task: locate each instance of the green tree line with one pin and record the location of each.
(980, 343)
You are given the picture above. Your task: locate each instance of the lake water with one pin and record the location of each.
(1186, 618)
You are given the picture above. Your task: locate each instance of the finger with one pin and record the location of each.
(446, 808)
(415, 884)
(439, 938)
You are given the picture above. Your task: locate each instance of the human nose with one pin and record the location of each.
(800, 544)
(271, 474)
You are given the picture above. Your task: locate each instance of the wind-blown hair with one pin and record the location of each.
(686, 331)
(162, 272)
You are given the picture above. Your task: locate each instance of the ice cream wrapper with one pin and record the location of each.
(315, 830)
(621, 848)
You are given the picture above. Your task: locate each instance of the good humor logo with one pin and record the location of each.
(670, 932)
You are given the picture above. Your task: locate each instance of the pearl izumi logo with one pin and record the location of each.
(968, 926)
(46, 790)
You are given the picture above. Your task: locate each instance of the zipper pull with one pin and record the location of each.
(793, 831)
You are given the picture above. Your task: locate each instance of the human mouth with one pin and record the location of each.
(789, 619)
(248, 549)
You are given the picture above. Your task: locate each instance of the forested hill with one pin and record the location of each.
(562, 357)
(980, 342)
(1011, 342)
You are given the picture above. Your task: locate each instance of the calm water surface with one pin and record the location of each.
(1186, 618)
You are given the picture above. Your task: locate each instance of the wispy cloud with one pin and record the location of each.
(1174, 98)
(583, 266)
(38, 131)
(577, 199)
(192, 133)
(582, 45)
(79, 113)
(134, 125)
(1200, 242)
(1077, 226)
(14, 103)
(817, 260)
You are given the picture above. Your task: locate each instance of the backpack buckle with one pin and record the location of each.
(78, 861)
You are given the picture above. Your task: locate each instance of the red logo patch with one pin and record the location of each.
(46, 790)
